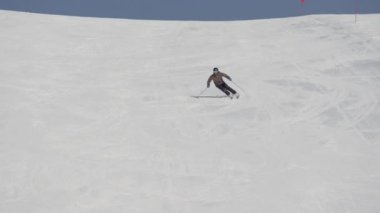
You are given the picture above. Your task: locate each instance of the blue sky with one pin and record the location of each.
(191, 9)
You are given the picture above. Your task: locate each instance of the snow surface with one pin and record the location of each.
(96, 115)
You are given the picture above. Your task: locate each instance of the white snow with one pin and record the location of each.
(96, 115)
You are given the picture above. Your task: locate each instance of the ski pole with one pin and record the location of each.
(238, 87)
(202, 91)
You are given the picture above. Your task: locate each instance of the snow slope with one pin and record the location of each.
(96, 115)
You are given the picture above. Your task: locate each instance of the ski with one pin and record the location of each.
(210, 96)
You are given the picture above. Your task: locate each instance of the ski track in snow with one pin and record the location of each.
(96, 115)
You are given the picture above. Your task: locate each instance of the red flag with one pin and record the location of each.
(302, 1)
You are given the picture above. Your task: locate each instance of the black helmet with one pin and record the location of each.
(215, 69)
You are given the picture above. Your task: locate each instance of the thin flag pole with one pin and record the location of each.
(356, 10)
(302, 3)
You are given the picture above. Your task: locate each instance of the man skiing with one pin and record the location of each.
(217, 78)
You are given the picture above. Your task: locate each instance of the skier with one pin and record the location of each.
(217, 77)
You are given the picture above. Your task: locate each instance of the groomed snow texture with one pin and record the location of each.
(96, 115)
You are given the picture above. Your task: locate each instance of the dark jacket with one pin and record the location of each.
(217, 78)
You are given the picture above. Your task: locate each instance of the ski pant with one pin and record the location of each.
(226, 89)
